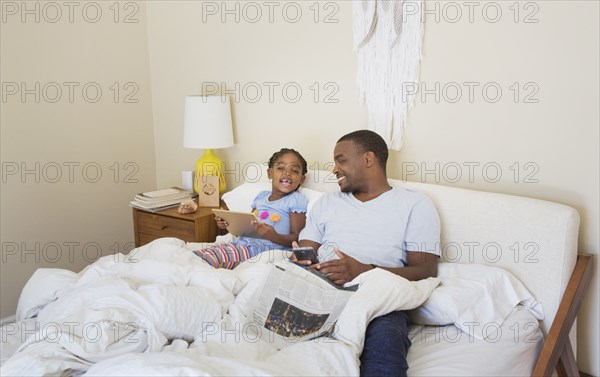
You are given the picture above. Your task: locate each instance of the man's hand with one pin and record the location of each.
(340, 271)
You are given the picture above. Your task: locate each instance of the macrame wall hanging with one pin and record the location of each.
(387, 41)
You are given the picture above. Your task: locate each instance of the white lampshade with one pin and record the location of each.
(207, 122)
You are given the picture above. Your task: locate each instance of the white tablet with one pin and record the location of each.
(239, 222)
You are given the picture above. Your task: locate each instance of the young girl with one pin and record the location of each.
(282, 214)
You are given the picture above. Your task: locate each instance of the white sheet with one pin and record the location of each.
(511, 349)
(118, 315)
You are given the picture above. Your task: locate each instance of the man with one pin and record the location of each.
(372, 225)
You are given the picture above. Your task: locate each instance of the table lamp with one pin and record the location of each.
(207, 125)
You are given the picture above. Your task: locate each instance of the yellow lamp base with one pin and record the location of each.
(210, 164)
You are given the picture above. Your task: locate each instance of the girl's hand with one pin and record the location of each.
(221, 224)
(265, 231)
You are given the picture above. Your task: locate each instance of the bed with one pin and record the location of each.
(509, 287)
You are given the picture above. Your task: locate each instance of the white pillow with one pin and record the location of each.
(311, 195)
(240, 198)
(475, 298)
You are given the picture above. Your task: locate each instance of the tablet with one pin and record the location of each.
(239, 222)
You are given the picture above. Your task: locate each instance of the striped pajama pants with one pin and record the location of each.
(224, 255)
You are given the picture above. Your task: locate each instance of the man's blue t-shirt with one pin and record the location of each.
(379, 231)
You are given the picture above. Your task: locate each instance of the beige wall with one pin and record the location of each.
(87, 153)
(547, 149)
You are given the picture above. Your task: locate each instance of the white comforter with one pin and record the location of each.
(161, 311)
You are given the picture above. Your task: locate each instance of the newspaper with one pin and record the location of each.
(295, 304)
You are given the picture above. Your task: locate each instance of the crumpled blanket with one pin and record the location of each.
(160, 310)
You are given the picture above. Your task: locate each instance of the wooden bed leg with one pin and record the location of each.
(557, 351)
(567, 364)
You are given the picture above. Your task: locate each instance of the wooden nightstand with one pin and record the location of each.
(199, 226)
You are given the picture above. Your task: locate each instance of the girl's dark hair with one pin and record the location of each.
(284, 151)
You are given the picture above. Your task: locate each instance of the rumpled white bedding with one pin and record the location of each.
(161, 311)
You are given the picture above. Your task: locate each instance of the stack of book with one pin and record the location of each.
(157, 200)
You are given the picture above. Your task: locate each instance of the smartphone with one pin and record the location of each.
(306, 253)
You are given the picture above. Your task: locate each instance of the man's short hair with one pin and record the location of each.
(369, 141)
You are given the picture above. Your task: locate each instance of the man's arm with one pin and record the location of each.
(420, 265)
(309, 243)
(312, 231)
